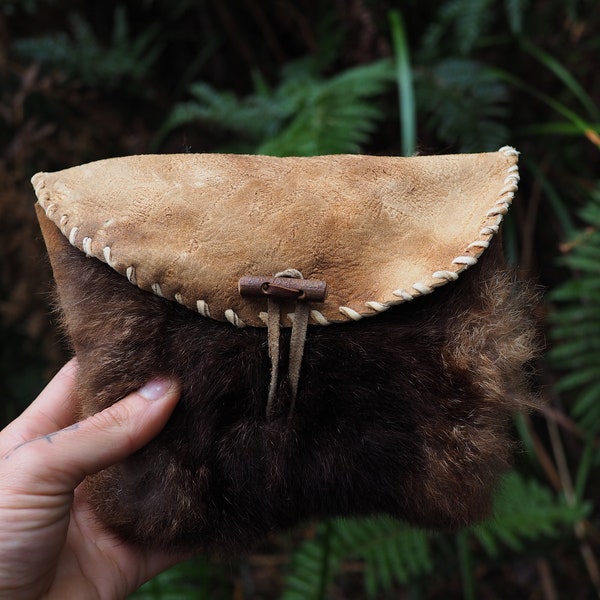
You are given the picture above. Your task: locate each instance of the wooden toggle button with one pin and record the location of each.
(310, 290)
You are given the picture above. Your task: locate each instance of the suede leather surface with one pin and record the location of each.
(188, 226)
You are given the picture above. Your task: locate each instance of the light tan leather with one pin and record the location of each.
(378, 230)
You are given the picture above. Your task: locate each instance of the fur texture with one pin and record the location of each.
(404, 413)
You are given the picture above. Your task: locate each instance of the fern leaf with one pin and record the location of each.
(525, 510)
(468, 20)
(303, 116)
(392, 551)
(248, 119)
(336, 116)
(575, 290)
(587, 263)
(576, 322)
(587, 408)
(466, 103)
(472, 18)
(84, 57)
(574, 351)
(580, 377)
(313, 567)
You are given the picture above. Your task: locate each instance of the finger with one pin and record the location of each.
(63, 458)
(53, 409)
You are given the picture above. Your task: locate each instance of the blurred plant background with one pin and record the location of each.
(81, 81)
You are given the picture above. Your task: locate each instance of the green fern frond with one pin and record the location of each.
(313, 567)
(392, 552)
(303, 116)
(470, 19)
(336, 116)
(576, 321)
(249, 119)
(582, 376)
(574, 291)
(525, 510)
(459, 22)
(84, 57)
(466, 104)
(459, 25)
(587, 408)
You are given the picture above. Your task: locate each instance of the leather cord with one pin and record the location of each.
(297, 344)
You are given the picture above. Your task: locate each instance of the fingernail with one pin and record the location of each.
(155, 389)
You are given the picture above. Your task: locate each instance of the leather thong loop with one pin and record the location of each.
(273, 324)
(288, 285)
(297, 344)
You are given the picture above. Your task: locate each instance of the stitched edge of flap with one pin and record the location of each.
(460, 263)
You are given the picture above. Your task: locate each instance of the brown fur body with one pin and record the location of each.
(404, 413)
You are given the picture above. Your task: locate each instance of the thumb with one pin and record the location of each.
(64, 458)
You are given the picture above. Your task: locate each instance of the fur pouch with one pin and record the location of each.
(348, 337)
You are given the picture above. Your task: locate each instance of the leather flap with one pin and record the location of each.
(378, 230)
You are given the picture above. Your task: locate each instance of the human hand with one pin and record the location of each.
(50, 544)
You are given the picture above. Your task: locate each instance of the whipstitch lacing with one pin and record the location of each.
(495, 214)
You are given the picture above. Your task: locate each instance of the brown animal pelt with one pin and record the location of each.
(404, 413)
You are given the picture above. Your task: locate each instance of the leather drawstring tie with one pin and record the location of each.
(288, 285)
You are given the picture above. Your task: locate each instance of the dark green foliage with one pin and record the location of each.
(121, 62)
(466, 104)
(465, 20)
(392, 553)
(525, 510)
(515, 11)
(462, 25)
(304, 115)
(405, 82)
(27, 6)
(577, 321)
(196, 578)
(313, 567)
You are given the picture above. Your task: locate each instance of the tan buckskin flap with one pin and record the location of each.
(379, 230)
